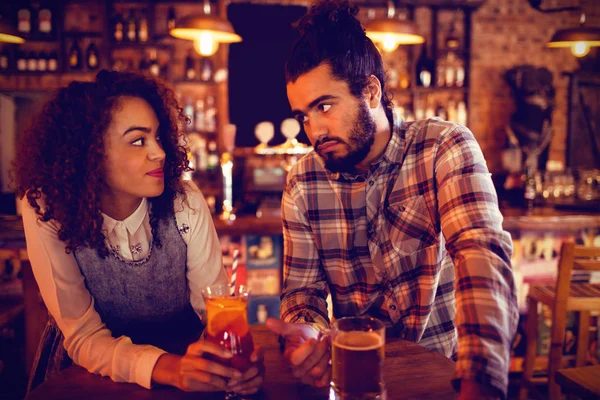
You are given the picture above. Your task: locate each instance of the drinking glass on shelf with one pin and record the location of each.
(227, 325)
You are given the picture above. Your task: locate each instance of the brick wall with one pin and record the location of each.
(507, 33)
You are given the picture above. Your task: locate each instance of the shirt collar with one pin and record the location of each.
(132, 223)
(392, 153)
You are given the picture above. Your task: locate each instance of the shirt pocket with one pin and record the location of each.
(409, 225)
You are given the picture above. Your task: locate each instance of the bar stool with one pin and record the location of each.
(562, 297)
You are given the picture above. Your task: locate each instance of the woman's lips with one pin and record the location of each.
(157, 173)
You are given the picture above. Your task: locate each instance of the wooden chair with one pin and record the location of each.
(562, 297)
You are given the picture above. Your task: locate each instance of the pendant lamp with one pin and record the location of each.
(579, 39)
(8, 34)
(389, 33)
(205, 30)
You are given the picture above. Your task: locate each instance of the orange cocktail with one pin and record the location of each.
(227, 324)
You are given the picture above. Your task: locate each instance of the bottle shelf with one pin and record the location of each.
(429, 90)
(83, 34)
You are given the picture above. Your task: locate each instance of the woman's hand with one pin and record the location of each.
(193, 372)
(251, 380)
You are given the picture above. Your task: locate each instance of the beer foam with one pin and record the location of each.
(361, 341)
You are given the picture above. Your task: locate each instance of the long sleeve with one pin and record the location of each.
(87, 340)
(471, 223)
(305, 289)
(205, 259)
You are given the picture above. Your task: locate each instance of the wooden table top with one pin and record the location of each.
(582, 381)
(411, 372)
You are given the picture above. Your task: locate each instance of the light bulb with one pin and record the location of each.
(580, 49)
(205, 44)
(389, 43)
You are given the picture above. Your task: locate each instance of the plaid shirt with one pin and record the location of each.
(390, 243)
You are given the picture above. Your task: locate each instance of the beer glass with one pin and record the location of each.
(357, 354)
(227, 325)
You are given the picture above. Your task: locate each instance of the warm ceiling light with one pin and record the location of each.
(8, 34)
(389, 33)
(205, 30)
(578, 39)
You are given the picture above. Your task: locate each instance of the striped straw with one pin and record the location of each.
(234, 265)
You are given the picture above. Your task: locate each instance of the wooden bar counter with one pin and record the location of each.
(410, 372)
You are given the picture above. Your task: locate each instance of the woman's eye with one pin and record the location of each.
(324, 107)
(138, 142)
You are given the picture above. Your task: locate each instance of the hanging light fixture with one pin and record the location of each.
(205, 30)
(389, 33)
(8, 34)
(579, 39)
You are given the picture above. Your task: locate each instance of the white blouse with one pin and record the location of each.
(87, 340)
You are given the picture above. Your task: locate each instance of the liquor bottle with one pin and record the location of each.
(460, 73)
(21, 61)
(171, 18)
(32, 62)
(530, 191)
(440, 112)
(461, 113)
(212, 161)
(440, 73)
(450, 69)
(75, 56)
(118, 28)
(4, 60)
(452, 111)
(42, 62)
(45, 20)
(143, 27)
(429, 110)
(190, 68)
(53, 62)
(403, 76)
(206, 71)
(131, 26)
(24, 17)
(144, 64)
(154, 66)
(188, 110)
(199, 117)
(393, 79)
(210, 114)
(424, 68)
(92, 56)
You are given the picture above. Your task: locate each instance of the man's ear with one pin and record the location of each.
(372, 92)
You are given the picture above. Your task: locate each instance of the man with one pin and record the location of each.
(384, 214)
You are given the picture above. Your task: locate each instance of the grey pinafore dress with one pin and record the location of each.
(146, 300)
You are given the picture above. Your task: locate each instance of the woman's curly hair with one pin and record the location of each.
(61, 156)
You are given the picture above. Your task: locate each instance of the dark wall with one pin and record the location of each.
(256, 68)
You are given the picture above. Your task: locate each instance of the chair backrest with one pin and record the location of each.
(586, 258)
(573, 257)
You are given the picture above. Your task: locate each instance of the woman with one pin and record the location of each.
(120, 246)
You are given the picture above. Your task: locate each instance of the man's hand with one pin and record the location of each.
(471, 390)
(308, 356)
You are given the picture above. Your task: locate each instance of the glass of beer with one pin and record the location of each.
(227, 325)
(358, 350)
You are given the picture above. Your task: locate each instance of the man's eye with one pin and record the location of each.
(138, 142)
(302, 118)
(324, 107)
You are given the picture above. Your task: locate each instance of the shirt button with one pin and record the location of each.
(393, 307)
(401, 208)
(371, 182)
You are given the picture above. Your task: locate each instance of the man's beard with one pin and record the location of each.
(360, 140)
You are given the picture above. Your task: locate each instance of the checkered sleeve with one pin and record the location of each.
(471, 222)
(305, 289)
